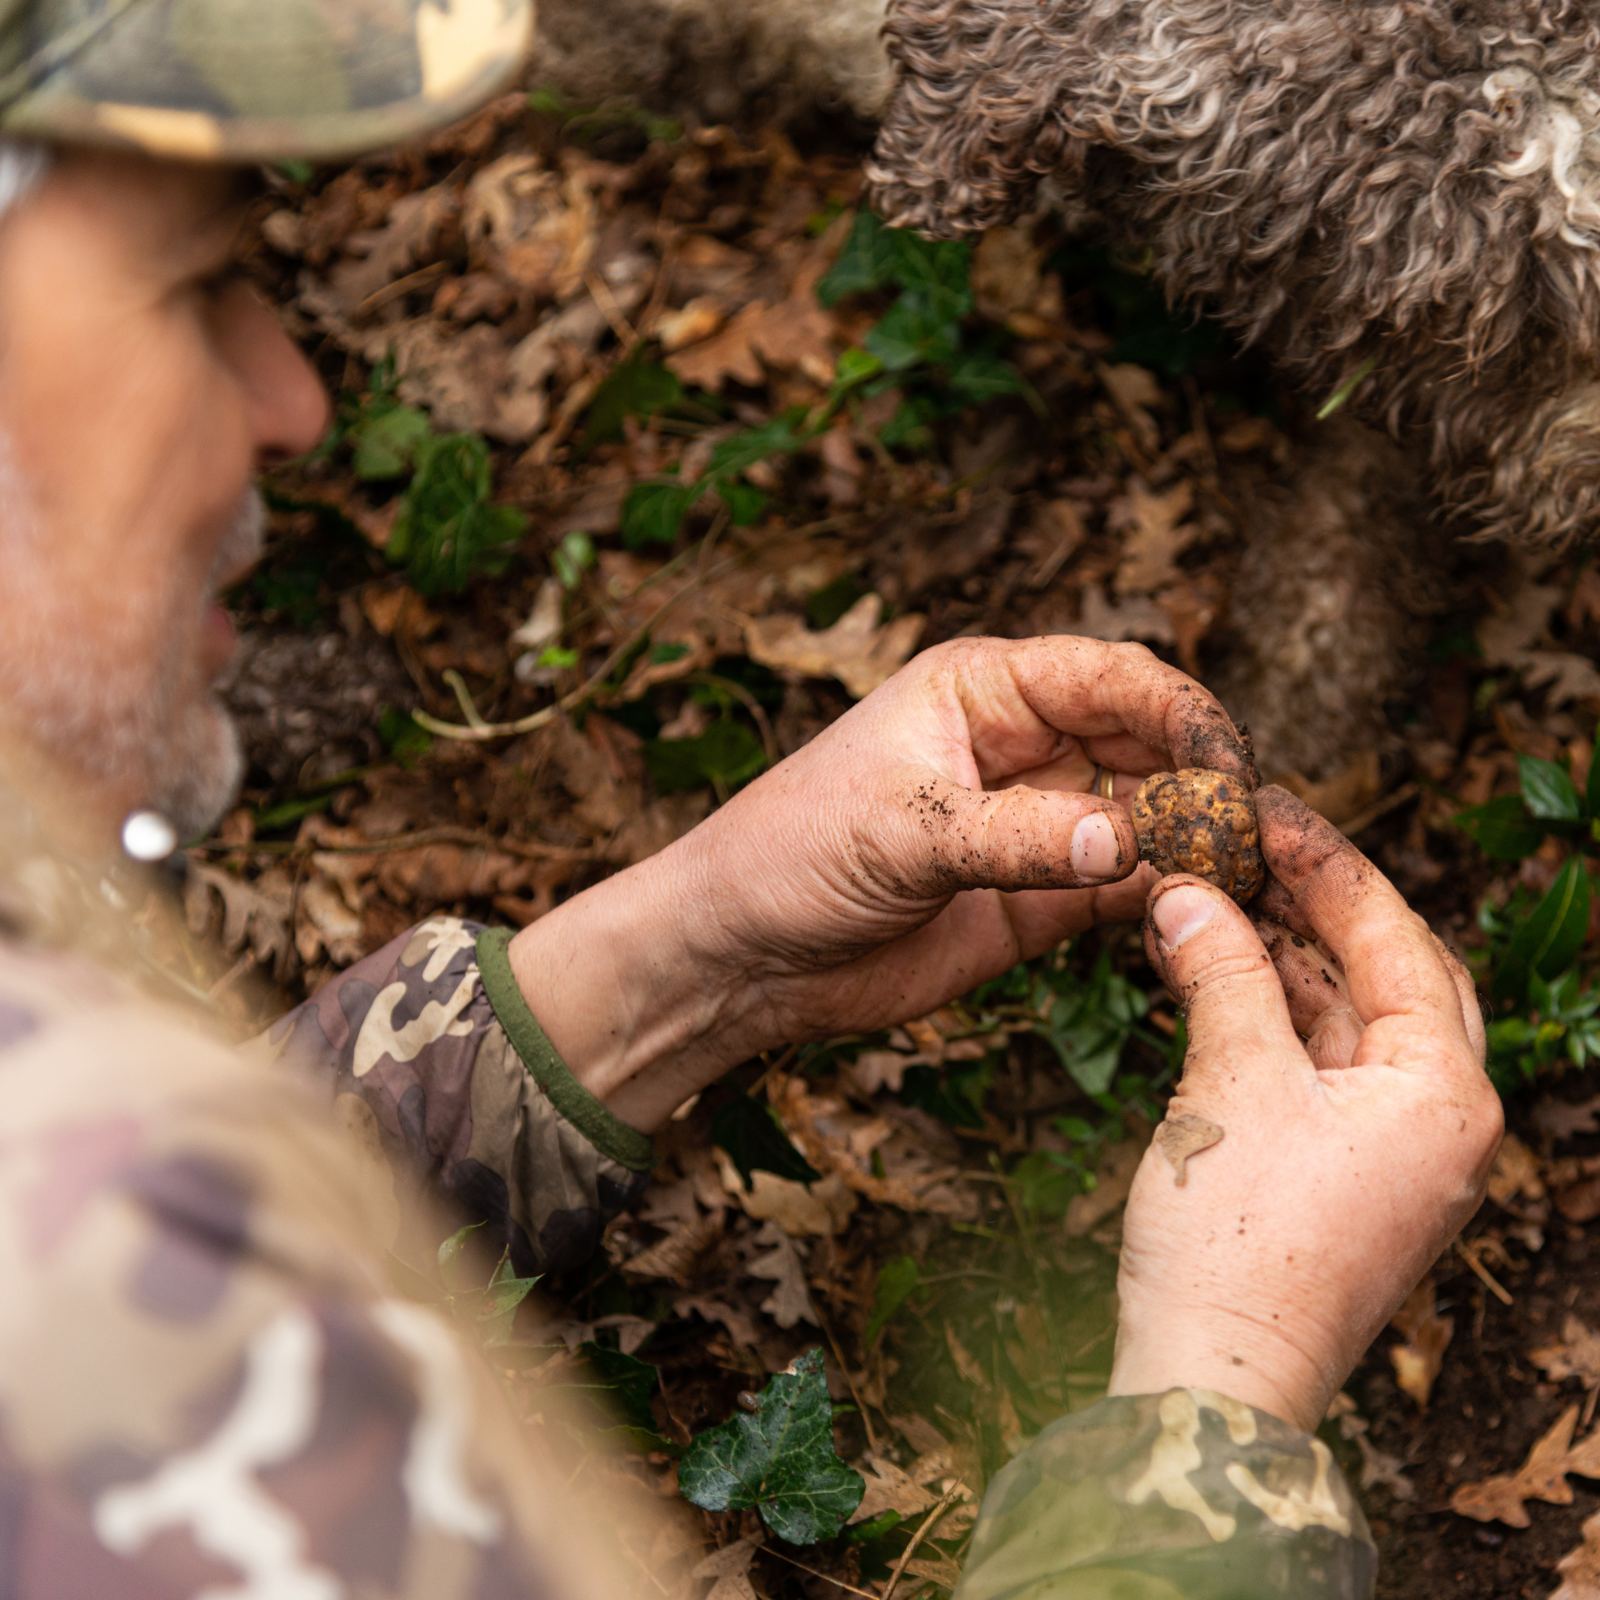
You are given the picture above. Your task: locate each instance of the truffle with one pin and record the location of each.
(1203, 823)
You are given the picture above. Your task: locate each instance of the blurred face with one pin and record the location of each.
(141, 387)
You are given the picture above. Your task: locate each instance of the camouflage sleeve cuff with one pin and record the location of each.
(611, 1137)
(431, 1053)
(1155, 1497)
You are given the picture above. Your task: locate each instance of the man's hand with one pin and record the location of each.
(939, 832)
(1337, 1049)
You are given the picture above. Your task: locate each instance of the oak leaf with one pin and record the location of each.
(1543, 1476)
(860, 649)
(1580, 1567)
(1575, 1355)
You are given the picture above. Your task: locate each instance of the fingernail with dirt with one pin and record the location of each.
(1095, 851)
(1181, 913)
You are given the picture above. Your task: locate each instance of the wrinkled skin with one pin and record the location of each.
(927, 841)
(1339, 1050)
(141, 387)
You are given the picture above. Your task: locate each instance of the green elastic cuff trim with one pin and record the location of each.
(610, 1136)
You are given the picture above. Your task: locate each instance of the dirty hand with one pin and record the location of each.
(1339, 1118)
(860, 882)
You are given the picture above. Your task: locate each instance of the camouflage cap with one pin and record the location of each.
(251, 80)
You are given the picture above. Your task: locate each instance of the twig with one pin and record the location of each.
(838, 1583)
(600, 293)
(526, 849)
(476, 730)
(1404, 795)
(458, 687)
(1487, 1278)
(855, 1393)
(758, 715)
(922, 1533)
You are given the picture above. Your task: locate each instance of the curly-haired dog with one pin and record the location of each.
(1398, 198)
(776, 61)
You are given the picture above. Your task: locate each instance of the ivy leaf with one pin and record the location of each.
(897, 1281)
(780, 1460)
(917, 330)
(636, 389)
(1502, 828)
(387, 441)
(755, 1141)
(446, 529)
(653, 513)
(632, 1384)
(1548, 791)
(1592, 789)
(727, 753)
(744, 501)
(866, 262)
(1549, 940)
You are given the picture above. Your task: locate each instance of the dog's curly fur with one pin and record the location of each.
(777, 61)
(1403, 195)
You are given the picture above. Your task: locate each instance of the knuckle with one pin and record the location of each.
(1214, 969)
(1132, 654)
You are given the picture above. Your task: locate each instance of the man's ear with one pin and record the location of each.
(972, 125)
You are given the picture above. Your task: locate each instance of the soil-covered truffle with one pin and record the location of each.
(1201, 822)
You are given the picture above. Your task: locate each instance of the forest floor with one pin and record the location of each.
(651, 456)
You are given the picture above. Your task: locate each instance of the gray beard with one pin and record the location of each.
(85, 701)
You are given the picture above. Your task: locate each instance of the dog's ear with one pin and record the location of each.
(972, 124)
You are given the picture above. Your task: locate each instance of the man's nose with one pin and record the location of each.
(289, 408)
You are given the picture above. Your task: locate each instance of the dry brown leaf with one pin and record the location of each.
(740, 1324)
(1134, 617)
(1516, 1173)
(1133, 391)
(860, 650)
(1425, 1336)
(1378, 1467)
(818, 1209)
(325, 922)
(1343, 794)
(1580, 1566)
(1576, 1354)
(1564, 675)
(728, 353)
(678, 1254)
(1113, 1180)
(965, 1362)
(538, 226)
(890, 1488)
(874, 1070)
(1518, 623)
(1543, 1476)
(1516, 636)
(729, 1569)
(413, 229)
(780, 1264)
(1560, 1120)
(936, 1569)
(1156, 534)
(795, 335)
(1011, 285)
(239, 915)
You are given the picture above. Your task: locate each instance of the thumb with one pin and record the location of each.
(1017, 838)
(1213, 961)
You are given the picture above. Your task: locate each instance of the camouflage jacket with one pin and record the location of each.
(210, 1384)
(1181, 1496)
